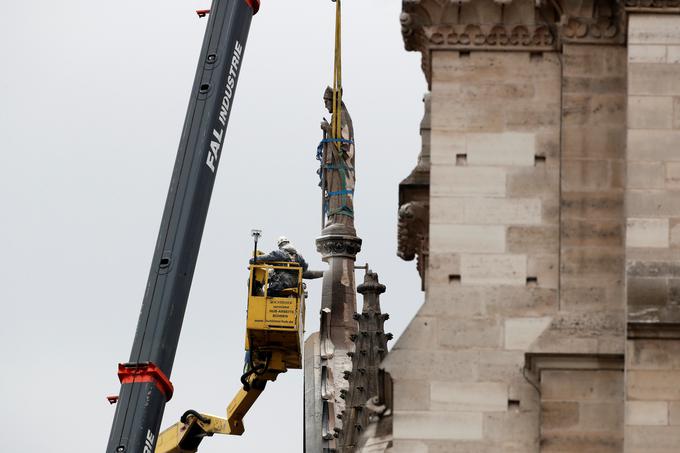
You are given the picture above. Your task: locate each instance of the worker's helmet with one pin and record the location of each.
(289, 248)
(282, 241)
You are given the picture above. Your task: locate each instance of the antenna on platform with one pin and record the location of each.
(256, 237)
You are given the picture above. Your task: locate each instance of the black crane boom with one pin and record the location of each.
(145, 384)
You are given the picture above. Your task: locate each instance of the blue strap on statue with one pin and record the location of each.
(336, 140)
(340, 192)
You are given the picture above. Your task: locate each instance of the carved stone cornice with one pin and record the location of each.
(336, 245)
(490, 37)
(512, 25)
(592, 22)
(653, 331)
(535, 364)
(653, 6)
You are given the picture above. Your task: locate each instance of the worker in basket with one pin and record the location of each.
(281, 279)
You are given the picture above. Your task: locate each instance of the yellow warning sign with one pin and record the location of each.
(281, 312)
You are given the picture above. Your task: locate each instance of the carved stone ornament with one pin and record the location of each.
(347, 246)
(655, 6)
(490, 36)
(413, 234)
(517, 25)
(603, 23)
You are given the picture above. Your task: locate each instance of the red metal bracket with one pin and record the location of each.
(255, 4)
(202, 12)
(112, 399)
(133, 373)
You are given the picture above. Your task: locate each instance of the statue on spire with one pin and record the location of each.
(337, 161)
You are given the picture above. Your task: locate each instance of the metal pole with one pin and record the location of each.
(145, 379)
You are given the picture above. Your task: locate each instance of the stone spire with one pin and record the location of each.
(364, 378)
(338, 245)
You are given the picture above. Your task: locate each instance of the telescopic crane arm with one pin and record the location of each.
(145, 378)
(186, 435)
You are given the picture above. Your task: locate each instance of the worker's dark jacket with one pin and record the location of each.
(281, 279)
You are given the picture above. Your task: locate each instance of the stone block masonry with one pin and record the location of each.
(494, 222)
(653, 210)
(551, 320)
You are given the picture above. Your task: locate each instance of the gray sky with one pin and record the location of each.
(92, 101)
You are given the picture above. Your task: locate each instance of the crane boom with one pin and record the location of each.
(145, 384)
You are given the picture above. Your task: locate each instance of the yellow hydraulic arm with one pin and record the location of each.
(274, 328)
(186, 435)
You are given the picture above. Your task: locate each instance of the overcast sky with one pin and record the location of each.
(93, 96)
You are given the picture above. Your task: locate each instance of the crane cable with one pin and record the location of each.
(336, 130)
(336, 135)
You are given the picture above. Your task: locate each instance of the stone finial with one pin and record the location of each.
(366, 380)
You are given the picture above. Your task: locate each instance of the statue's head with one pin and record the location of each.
(328, 99)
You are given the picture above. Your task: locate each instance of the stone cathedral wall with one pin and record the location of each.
(653, 235)
(551, 320)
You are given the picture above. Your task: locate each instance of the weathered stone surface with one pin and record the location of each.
(653, 269)
(580, 441)
(645, 53)
(447, 210)
(650, 112)
(467, 238)
(467, 181)
(446, 145)
(585, 296)
(653, 29)
(600, 85)
(531, 181)
(504, 211)
(602, 416)
(672, 54)
(592, 233)
(657, 385)
(662, 439)
(470, 333)
(675, 233)
(559, 415)
(581, 385)
(411, 395)
(647, 413)
(494, 270)
(602, 204)
(438, 425)
(586, 175)
(543, 271)
(421, 333)
(647, 233)
(674, 413)
(416, 364)
(469, 397)
(654, 79)
(516, 427)
(673, 175)
(532, 239)
(645, 175)
(520, 333)
(653, 354)
(647, 291)
(502, 366)
(505, 149)
(652, 204)
(653, 145)
(588, 261)
(477, 301)
(593, 142)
